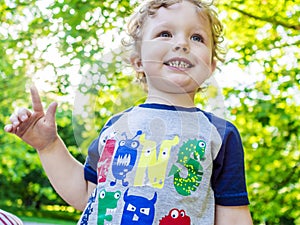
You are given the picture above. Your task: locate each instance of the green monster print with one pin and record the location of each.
(190, 154)
(107, 200)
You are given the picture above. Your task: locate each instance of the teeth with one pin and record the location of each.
(179, 64)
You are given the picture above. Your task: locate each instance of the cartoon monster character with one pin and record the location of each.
(152, 164)
(88, 210)
(175, 217)
(190, 154)
(107, 200)
(138, 210)
(105, 159)
(124, 158)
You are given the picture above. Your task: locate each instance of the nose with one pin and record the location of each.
(177, 48)
(181, 45)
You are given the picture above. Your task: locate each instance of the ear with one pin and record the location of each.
(136, 63)
(213, 65)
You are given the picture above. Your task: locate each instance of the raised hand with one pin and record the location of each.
(35, 128)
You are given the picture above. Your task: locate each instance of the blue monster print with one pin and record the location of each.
(124, 158)
(88, 211)
(138, 210)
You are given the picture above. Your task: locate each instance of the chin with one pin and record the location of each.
(180, 89)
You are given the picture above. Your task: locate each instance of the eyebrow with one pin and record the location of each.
(161, 26)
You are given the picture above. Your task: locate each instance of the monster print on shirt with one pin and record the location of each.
(176, 217)
(124, 158)
(89, 209)
(190, 154)
(107, 200)
(105, 160)
(138, 210)
(152, 165)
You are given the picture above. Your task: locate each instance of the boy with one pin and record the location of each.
(162, 162)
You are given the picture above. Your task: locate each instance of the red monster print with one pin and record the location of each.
(105, 160)
(175, 217)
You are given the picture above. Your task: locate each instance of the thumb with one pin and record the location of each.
(50, 114)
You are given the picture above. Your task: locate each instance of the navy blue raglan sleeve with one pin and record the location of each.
(228, 180)
(90, 166)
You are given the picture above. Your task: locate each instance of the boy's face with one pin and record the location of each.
(175, 51)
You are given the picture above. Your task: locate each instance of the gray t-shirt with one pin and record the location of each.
(154, 164)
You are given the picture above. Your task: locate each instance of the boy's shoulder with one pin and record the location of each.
(223, 126)
(117, 116)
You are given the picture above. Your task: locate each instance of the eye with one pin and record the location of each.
(182, 213)
(131, 208)
(202, 144)
(145, 211)
(164, 34)
(102, 194)
(122, 143)
(117, 195)
(174, 213)
(147, 152)
(197, 38)
(165, 153)
(134, 144)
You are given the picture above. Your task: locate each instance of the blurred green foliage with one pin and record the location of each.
(66, 44)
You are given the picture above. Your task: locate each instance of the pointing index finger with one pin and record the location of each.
(36, 100)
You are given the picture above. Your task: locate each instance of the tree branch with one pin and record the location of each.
(267, 19)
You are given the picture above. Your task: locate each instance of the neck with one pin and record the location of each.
(184, 100)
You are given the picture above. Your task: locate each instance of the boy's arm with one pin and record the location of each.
(66, 174)
(38, 129)
(232, 215)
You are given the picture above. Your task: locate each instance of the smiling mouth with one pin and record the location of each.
(179, 63)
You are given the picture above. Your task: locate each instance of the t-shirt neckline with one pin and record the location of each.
(169, 107)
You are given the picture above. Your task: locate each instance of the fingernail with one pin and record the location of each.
(8, 127)
(16, 123)
(24, 117)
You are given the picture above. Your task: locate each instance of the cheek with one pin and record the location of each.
(154, 50)
(204, 68)
(203, 55)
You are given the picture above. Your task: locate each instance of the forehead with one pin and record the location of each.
(181, 13)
